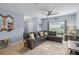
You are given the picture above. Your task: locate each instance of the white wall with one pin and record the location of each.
(33, 24)
(30, 26)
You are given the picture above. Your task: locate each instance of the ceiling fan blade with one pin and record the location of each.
(54, 13)
(49, 12)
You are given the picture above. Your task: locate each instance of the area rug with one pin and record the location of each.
(48, 48)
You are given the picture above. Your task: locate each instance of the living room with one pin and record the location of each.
(39, 28)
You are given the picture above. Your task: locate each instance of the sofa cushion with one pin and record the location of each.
(25, 35)
(53, 33)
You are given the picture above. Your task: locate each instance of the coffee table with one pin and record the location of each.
(73, 46)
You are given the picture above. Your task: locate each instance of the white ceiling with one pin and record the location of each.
(31, 9)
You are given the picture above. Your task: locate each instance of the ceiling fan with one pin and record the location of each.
(49, 13)
(45, 11)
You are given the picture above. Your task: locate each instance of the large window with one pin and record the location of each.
(58, 27)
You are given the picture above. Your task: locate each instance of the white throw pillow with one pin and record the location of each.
(31, 36)
(41, 34)
(45, 33)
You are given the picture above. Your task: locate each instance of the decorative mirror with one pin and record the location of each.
(9, 23)
(6, 23)
(1, 23)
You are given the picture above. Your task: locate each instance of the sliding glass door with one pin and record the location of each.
(58, 27)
